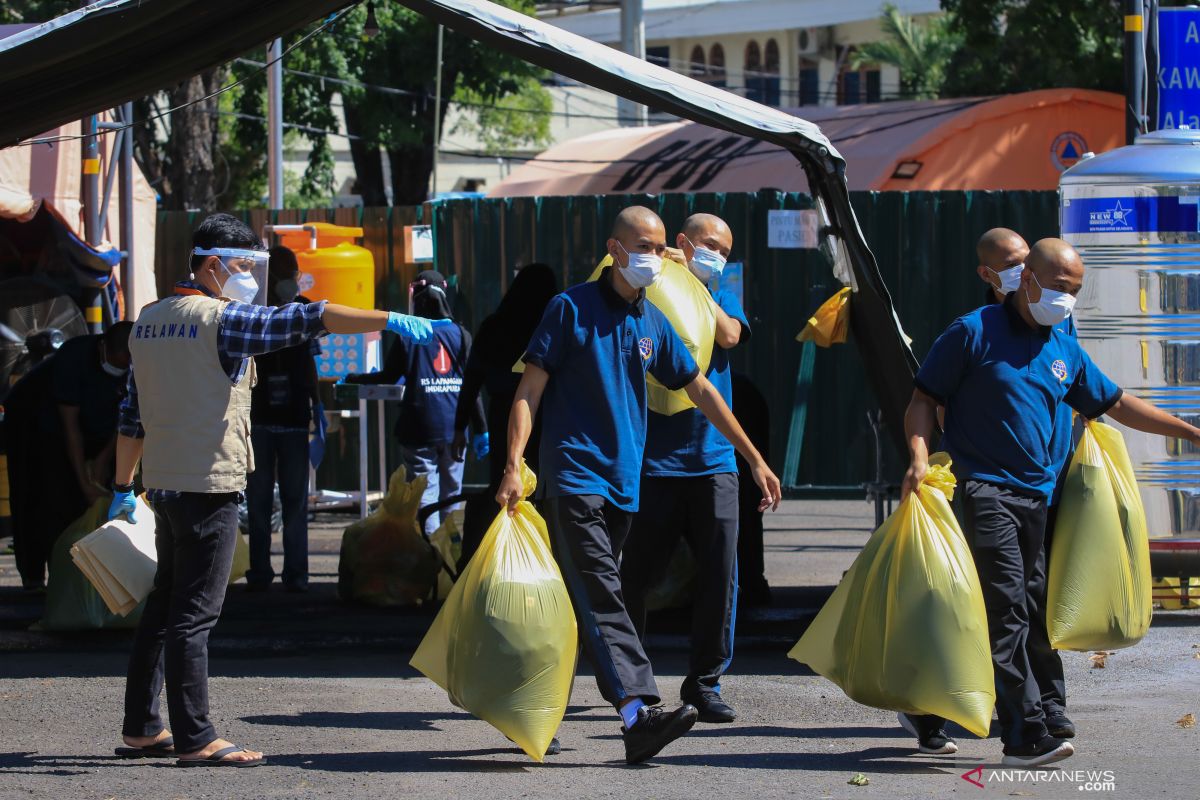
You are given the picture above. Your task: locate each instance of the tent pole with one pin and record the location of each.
(275, 123)
(89, 186)
(125, 177)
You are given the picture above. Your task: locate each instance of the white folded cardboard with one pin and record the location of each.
(119, 559)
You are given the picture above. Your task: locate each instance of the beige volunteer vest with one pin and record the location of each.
(197, 422)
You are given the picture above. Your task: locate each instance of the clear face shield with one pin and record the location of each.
(243, 273)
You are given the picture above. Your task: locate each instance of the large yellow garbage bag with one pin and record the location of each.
(385, 558)
(1099, 586)
(829, 324)
(689, 307)
(504, 645)
(906, 629)
(447, 540)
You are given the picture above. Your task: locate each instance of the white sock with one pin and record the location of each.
(629, 712)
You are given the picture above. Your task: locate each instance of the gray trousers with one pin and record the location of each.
(704, 511)
(587, 533)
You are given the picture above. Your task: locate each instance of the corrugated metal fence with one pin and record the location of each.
(924, 242)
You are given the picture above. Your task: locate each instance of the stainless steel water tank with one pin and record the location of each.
(1132, 214)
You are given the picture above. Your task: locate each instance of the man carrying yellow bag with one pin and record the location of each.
(504, 644)
(905, 629)
(1001, 373)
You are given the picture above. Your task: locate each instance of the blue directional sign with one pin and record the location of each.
(1179, 67)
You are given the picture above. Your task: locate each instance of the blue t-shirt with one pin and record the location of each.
(686, 444)
(1002, 383)
(598, 348)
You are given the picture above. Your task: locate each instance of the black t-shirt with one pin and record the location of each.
(79, 380)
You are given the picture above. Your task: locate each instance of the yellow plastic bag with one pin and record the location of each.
(504, 645)
(829, 324)
(906, 629)
(1168, 594)
(447, 540)
(385, 558)
(241, 558)
(1098, 590)
(690, 309)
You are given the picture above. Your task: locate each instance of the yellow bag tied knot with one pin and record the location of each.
(906, 629)
(504, 645)
(689, 307)
(1099, 588)
(830, 324)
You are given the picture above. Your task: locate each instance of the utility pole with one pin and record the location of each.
(437, 114)
(633, 42)
(275, 123)
(1135, 70)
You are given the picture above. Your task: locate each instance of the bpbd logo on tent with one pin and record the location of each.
(1067, 149)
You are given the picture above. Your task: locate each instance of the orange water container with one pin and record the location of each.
(332, 266)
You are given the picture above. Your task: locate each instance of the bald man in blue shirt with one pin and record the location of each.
(1001, 372)
(586, 367)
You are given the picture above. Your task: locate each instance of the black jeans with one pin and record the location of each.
(194, 536)
(281, 456)
(704, 511)
(587, 533)
(1043, 659)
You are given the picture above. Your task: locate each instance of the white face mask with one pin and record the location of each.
(1010, 278)
(239, 286)
(643, 269)
(705, 264)
(1052, 308)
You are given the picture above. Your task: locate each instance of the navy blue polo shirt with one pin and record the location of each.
(1002, 383)
(598, 348)
(686, 444)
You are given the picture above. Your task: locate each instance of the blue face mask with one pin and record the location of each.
(705, 264)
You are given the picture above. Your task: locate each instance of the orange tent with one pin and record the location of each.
(1018, 141)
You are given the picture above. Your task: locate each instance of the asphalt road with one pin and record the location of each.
(327, 693)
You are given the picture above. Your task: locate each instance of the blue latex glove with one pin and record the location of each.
(123, 504)
(480, 444)
(316, 445)
(416, 329)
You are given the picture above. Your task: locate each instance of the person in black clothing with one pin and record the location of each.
(499, 344)
(433, 376)
(61, 424)
(754, 414)
(283, 403)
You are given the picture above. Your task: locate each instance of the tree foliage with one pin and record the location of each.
(1021, 45)
(920, 50)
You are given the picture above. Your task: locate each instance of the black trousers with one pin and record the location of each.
(1043, 659)
(587, 533)
(1004, 530)
(278, 456)
(194, 537)
(44, 495)
(704, 511)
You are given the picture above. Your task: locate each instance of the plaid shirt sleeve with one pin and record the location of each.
(129, 420)
(248, 330)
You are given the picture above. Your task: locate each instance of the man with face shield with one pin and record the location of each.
(61, 428)
(588, 359)
(1002, 371)
(432, 378)
(186, 418)
(689, 488)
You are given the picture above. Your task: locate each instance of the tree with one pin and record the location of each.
(921, 51)
(1020, 45)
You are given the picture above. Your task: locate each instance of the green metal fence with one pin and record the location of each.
(924, 242)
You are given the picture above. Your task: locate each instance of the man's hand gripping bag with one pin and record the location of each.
(906, 629)
(504, 645)
(689, 307)
(1099, 586)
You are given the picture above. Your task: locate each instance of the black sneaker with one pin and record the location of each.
(931, 740)
(1046, 751)
(654, 730)
(1059, 726)
(711, 707)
